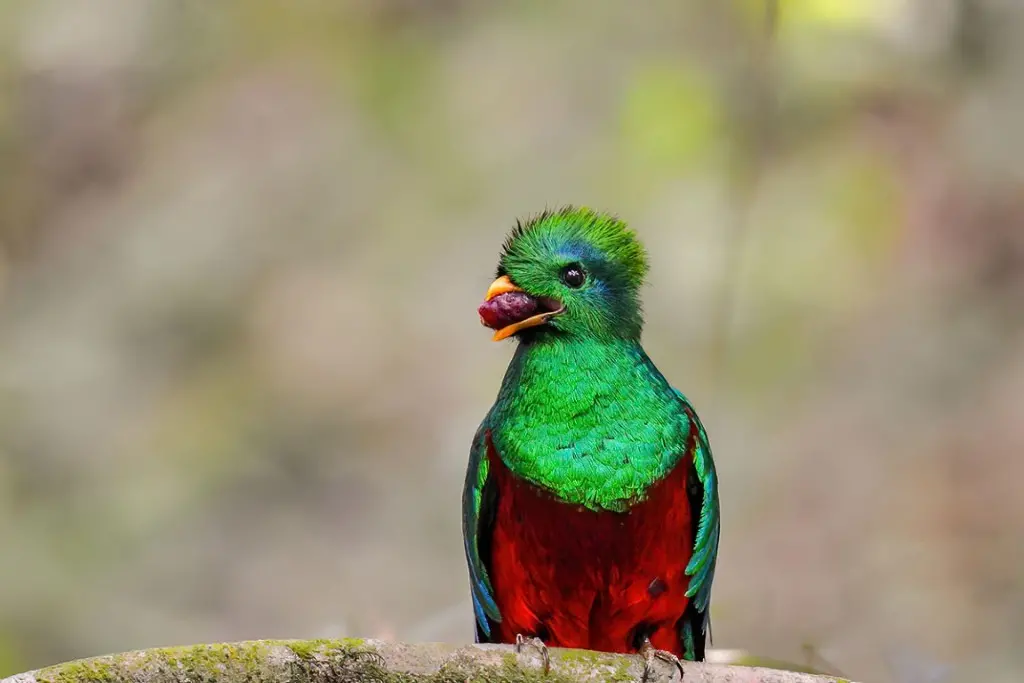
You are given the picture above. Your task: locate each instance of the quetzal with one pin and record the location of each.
(590, 508)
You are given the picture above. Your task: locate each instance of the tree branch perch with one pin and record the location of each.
(352, 660)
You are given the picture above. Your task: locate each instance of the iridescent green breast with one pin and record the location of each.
(593, 422)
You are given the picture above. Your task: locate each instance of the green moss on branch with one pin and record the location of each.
(352, 660)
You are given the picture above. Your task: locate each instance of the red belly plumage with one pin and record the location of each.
(584, 579)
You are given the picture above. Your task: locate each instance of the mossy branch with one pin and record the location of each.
(351, 660)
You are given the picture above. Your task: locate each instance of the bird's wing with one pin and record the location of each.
(703, 495)
(479, 504)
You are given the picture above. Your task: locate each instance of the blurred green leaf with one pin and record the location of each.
(10, 662)
(817, 14)
(670, 117)
(866, 200)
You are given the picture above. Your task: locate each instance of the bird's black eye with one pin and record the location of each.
(573, 276)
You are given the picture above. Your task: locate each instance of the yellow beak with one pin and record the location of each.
(503, 285)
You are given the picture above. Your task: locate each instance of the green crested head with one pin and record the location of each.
(573, 272)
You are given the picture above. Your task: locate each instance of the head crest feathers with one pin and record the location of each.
(605, 232)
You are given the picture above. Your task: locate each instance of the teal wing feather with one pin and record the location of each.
(701, 568)
(479, 503)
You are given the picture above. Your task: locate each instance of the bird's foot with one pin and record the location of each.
(651, 653)
(538, 645)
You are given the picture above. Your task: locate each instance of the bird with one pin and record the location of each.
(590, 507)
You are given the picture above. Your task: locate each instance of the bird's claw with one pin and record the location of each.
(536, 643)
(650, 653)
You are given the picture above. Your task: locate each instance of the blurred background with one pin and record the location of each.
(242, 244)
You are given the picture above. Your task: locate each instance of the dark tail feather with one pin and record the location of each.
(693, 628)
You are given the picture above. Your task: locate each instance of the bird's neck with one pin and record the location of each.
(558, 367)
(549, 363)
(584, 418)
